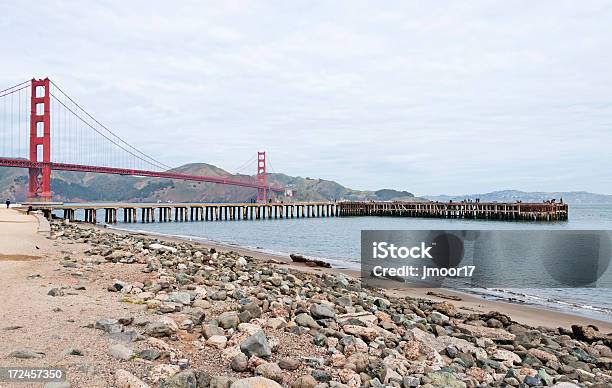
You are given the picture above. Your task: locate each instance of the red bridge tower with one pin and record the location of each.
(262, 196)
(39, 187)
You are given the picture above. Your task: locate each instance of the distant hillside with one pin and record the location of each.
(88, 187)
(572, 197)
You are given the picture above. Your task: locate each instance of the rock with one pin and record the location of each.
(120, 352)
(256, 345)
(72, 352)
(160, 329)
(203, 378)
(276, 323)
(185, 379)
(163, 371)
(289, 363)
(446, 308)
(583, 356)
(26, 354)
(210, 330)
(319, 339)
(306, 320)
(180, 297)
(241, 262)
(588, 333)
(486, 332)
(411, 381)
(438, 318)
(255, 382)
(306, 381)
(359, 360)
(108, 325)
(506, 355)
(321, 376)
(149, 354)
(270, 371)
(56, 292)
(321, 311)
(240, 363)
(445, 380)
(118, 285)
(350, 378)
(532, 381)
(344, 301)
(248, 328)
(229, 320)
(367, 333)
(542, 355)
(221, 382)
(162, 248)
(217, 341)
(124, 379)
(219, 295)
(253, 309)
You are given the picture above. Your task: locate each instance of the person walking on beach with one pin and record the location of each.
(8, 203)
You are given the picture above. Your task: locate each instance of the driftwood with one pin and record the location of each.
(443, 296)
(309, 262)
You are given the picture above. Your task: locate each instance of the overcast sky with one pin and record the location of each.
(431, 97)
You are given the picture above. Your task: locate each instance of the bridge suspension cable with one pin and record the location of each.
(44, 129)
(132, 150)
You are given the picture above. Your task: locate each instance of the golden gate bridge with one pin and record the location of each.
(44, 129)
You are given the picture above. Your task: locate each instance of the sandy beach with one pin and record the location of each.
(112, 315)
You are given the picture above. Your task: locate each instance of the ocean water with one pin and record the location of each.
(337, 240)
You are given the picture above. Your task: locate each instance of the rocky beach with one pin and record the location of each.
(130, 310)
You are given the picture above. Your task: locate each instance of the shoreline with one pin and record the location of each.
(529, 314)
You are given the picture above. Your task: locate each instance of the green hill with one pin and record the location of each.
(89, 187)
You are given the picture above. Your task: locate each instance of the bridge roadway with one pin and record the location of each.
(177, 212)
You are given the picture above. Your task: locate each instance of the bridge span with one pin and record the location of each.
(181, 212)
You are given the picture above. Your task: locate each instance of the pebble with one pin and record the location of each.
(120, 352)
(56, 292)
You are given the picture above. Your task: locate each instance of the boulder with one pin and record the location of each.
(270, 371)
(184, 379)
(256, 345)
(322, 311)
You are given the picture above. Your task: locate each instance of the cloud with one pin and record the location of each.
(431, 98)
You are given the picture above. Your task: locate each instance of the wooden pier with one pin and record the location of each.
(181, 212)
(467, 210)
